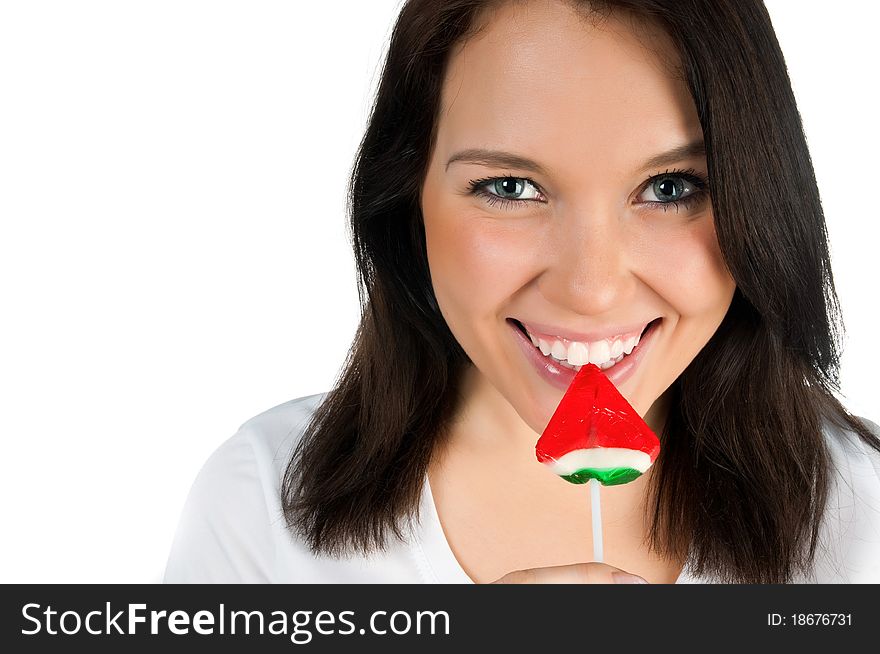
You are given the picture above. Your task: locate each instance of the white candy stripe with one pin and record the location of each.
(600, 457)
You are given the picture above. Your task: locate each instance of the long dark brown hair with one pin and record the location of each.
(741, 486)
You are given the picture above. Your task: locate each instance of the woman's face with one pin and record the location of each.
(590, 226)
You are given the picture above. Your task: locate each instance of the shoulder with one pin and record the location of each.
(850, 540)
(851, 456)
(231, 521)
(274, 433)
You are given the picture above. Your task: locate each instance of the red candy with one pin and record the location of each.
(596, 434)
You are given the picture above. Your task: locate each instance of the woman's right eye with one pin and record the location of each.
(506, 191)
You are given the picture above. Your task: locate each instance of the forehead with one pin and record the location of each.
(541, 78)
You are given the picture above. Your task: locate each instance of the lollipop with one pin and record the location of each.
(595, 435)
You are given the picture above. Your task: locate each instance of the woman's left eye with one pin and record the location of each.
(674, 189)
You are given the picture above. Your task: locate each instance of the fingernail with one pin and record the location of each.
(624, 578)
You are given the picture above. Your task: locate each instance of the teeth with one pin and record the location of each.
(606, 365)
(544, 346)
(578, 354)
(600, 352)
(575, 354)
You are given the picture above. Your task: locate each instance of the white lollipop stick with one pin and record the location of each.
(597, 521)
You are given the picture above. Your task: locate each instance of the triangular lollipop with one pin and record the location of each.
(596, 434)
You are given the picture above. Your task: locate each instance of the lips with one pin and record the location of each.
(560, 376)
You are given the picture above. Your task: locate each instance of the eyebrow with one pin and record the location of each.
(686, 151)
(503, 159)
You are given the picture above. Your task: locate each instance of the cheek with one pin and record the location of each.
(474, 261)
(687, 269)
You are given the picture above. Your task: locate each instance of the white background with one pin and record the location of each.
(173, 252)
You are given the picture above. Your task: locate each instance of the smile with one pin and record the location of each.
(557, 359)
(573, 354)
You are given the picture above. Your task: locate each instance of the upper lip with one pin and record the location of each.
(605, 333)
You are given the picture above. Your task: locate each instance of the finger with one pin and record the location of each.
(576, 573)
(592, 573)
(601, 573)
(518, 577)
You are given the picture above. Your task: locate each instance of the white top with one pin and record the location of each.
(232, 528)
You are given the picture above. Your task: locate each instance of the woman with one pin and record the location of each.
(536, 174)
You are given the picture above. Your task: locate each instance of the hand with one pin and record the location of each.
(575, 573)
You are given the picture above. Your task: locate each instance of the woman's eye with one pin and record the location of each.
(511, 188)
(506, 191)
(672, 189)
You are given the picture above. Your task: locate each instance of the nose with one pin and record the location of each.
(587, 269)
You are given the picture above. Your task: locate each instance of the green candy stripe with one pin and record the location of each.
(607, 476)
